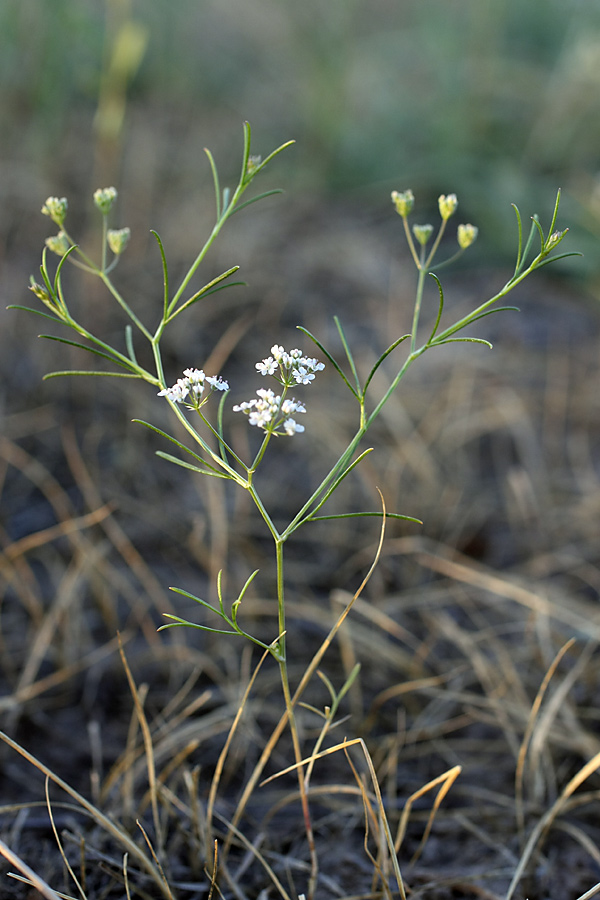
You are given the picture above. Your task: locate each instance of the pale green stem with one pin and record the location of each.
(211, 239)
(283, 670)
(418, 301)
(104, 233)
(436, 244)
(124, 305)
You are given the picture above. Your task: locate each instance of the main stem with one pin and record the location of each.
(283, 671)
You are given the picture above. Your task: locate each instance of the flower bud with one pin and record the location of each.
(466, 235)
(447, 204)
(41, 293)
(422, 233)
(104, 199)
(58, 243)
(56, 208)
(252, 165)
(403, 202)
(554, 239)
(118, 238)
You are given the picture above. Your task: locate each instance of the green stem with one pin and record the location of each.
(508, 287)
(227, 212)
(418, 300)
(436, 244)
(104, 233)
(283, 671)
(124, 305)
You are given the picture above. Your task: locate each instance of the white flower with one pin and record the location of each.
(267, 367)
(217, 383)
(291, 406)
(292, 427)
(269, 412)
(192, 386)
(177, 393)
(294, 368)
(302, 375)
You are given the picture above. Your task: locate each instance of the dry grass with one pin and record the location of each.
(468, 744)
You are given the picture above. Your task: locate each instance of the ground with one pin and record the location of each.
(477, 632)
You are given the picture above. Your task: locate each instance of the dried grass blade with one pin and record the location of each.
(545, 822)
(59, 842)
(308, 674)
(99, 817)
(31, 877)
(148, 746)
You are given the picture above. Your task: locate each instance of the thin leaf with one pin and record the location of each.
(129, 344)
(172, 439)
(246, 203)
(551, 259)
(196, 600)
(187, 624)
(201, 293)
(224, 287)
(45, 276)
(464, 340)
(329, 357)
(222, 445)
(63, 260)
(87, 372)
(520, 241)
(529, 243)
(209, 470)
(488, 312)
(246, 154)
(272, 155)
(215, 177)
(358, 515)
(348, 352)
(235, 605)
(53, 337)
(338, 481)
(165, 270)
(440, 307)
(36, 312)
(555, 213)
(381, 359)
(537, 224)
(348, 683)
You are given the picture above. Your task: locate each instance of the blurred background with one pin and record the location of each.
(498, 102)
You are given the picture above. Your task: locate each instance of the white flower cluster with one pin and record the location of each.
(270, 413)
(292, 366)
(190, 388)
